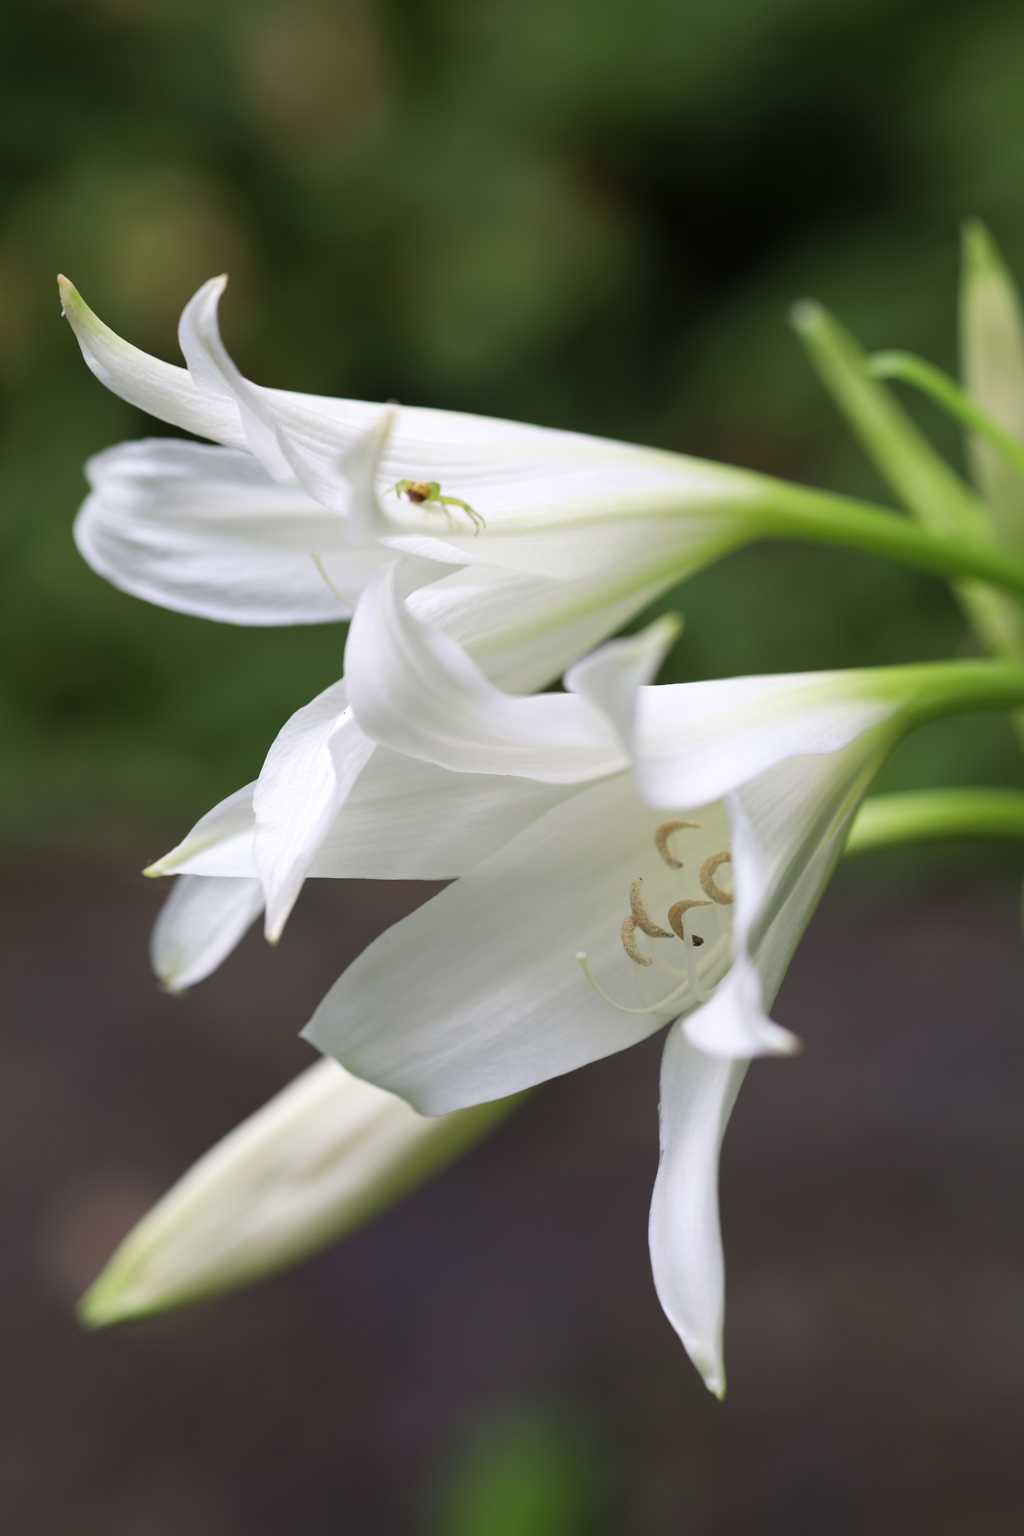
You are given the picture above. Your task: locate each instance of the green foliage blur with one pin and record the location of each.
(587, 213)
(523, 1473)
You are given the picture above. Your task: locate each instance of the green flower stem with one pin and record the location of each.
(932, 689)
(798, 512)
(886, 821)
(948, 394)
(930, 488)
(920, 477)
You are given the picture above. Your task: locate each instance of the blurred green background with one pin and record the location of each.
(586, 213)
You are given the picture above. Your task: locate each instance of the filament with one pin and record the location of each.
(318, 562)
(664, 1006)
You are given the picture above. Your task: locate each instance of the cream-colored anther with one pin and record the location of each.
(678, 910)
(707, 877)
(662, 835)
(641, 917)
(629, 943)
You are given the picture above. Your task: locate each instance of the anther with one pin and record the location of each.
(629, 943)
(662, 835)
(641, 917)
(707, 877)
(678, 910)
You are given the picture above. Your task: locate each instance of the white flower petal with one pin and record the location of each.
(159, 388)
(697, 1097)
(310, 769)
(215, 374)
(365, 518)
(787, 828)
(734, 1024)
(527, 480)
(199, 925)
(409, 820)
(321, 1158)
(610, 677)
(696, 741)
(205, 531)
(414, 689)
(554, 532)
(524, 630)
(220, 843)
(478, 993)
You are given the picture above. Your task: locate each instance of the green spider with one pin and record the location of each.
(427, 493)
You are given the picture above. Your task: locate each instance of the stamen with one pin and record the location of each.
(629, 927)
(665, 1005)
(707, 877)
(641, 917)
(662, 835)
(677, 912)
(318, 562)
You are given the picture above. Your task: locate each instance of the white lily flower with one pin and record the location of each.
(557, 538)
(566, 531)
(325, 1155)
(528, 546)
(614, 851)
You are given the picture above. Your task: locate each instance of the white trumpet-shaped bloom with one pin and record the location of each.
(323, 1156)
(540, 542)
(628, 856)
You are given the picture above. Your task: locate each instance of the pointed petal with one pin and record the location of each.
(415, 690)
(697, 1097)
(360, 469)
(787, 828)
(220, 843)
(310, 769)
(734, 1024)
(158, 388)
(478, 993)
(610, 677)
(199, 925)
(322, 1157)
(992, 352)
(523, 631)
(205, 531)
(215, 374)
(339, 472)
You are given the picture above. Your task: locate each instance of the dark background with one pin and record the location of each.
(591, 214)
(489, 1359)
